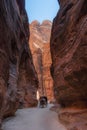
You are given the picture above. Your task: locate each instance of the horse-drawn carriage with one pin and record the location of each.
(43, 102)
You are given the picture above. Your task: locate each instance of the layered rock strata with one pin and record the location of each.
(18, 79)
(69, 54)
(40, 49)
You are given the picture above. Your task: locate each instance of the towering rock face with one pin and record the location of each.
(18, 79)
(40, 48)
(69, 53)
(69, 56)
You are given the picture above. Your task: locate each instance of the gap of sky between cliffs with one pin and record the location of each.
(41, 10)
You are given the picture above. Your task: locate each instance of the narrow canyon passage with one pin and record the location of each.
(33, 119)
(40, 49)
(48, 58)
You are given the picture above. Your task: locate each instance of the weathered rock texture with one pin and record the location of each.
(18, 79)
(40, 49)
(69, 54)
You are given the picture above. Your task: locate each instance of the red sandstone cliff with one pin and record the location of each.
(40, 48)
(69, 57)
(18, 79)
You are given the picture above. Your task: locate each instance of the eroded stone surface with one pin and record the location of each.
(40, 48)
(69, 53)
(74, 119)
(18, 79)
(69, 60)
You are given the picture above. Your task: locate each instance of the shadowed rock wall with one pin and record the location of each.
(18, 79)
(69, 60)
(69, 53)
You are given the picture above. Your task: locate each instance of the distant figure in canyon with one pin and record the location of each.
(43, 101)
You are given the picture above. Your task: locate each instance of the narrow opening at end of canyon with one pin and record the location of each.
(39, 42)
(40, 48)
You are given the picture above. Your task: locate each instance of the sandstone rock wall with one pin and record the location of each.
(69, 58)
(47, 79)
(18, 79)
(69, 53)
(40, 48)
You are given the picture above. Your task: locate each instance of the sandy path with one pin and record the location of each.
(33, 119)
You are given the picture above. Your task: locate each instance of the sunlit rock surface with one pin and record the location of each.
(40, 48)
(69, 55)
(18, 79)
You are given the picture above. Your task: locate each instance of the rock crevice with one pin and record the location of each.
(40, 48)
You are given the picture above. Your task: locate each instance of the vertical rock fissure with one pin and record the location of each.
(40, 48)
